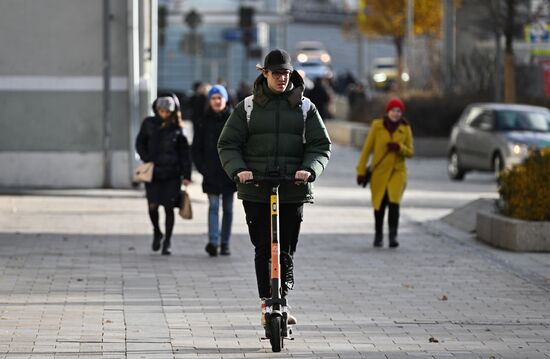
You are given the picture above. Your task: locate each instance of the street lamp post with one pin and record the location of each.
(360, 56)
(193, 19)
(133, 78)
(106, 94)
(410, 36)
(448, 44)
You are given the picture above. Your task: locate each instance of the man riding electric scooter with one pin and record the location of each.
(276, 132)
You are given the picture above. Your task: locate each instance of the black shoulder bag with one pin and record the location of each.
(369, 171)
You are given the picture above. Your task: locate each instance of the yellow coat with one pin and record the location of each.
(390, 173)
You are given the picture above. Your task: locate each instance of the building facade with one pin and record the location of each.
(61, 123)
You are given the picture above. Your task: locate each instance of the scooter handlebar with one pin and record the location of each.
(257, 179)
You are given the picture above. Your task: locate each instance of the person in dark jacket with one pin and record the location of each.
(321, 97)
(161, 140)
(276, 138)
(215, 182)
(198, 102)
(243, 91)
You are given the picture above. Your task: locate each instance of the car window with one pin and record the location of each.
(483, 121)
(507, 120)
(510, 120)
(311, 63)
(471, 115)
(385, 66)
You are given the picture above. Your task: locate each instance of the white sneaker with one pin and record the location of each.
(291, 320)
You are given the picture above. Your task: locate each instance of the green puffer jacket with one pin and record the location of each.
(274, 138)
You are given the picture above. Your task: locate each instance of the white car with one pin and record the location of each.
(312, 51)
(384, 73)
(314, 69)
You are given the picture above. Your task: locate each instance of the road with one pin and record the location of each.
(429, 194)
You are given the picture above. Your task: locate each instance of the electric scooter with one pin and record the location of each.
(277, 328)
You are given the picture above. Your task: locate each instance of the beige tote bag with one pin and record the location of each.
(144, 172)
(186, 211)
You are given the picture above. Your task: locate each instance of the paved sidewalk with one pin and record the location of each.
(78, 280)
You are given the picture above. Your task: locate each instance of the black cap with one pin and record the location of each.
(278, 60)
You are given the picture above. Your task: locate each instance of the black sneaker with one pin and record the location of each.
(225, 251)
(211, 249)
(157, 237)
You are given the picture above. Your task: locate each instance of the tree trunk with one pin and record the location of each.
(509, 67)
(498, 69)
(509, 79)
(398, 41)
(434, 66)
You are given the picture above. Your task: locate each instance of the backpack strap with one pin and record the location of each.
(248, 105)
(305, 106)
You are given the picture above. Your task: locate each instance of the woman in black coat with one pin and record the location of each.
(215, 183)
(161, 140)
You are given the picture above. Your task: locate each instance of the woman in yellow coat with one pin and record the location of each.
(389, 141)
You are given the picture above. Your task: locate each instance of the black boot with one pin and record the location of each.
(166, 247)
(225, 251)
(211, 249)
(393, 238)
(157, 237)
(377, 240)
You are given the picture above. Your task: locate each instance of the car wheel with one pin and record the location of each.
(498, 164)
(456, 173)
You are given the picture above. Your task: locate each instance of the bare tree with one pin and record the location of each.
(475, 73)
(507, 18)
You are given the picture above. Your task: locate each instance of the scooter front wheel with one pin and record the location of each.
(276, 337)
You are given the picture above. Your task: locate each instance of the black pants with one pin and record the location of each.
(393, 216)
(259, 228)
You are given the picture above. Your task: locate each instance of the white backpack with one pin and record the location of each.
(305, 106)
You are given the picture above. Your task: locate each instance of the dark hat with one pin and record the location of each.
(278, 60)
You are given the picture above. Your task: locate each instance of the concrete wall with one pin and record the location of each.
(51, 93)
(59, 120)
(64, 35)
(513, 234)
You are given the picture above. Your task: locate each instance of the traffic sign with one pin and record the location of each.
(538, 32)
(193, 19)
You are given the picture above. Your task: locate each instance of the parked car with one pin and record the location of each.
(492, 137)
(384, 73)
(312, 51)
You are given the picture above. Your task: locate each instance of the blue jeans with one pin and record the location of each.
(213, 218)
